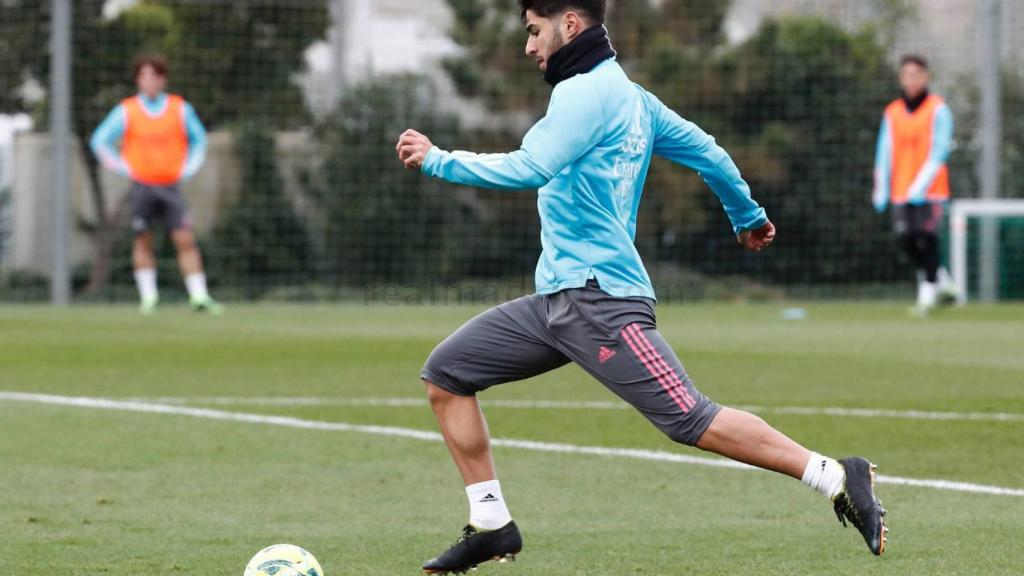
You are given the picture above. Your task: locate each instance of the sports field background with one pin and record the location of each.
(89, 490)
(302, 197)
(182, 444)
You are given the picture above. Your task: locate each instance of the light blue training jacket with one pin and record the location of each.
(589, 157)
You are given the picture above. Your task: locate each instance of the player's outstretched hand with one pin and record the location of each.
(757, 240)
(412, 149)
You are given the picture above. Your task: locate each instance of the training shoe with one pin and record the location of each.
(148, 306)
(858, 504)
(949, 292)
(919, 312)
(208, 305)
(476, 547)
(948, 295)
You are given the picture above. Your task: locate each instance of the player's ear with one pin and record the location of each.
(572, 25)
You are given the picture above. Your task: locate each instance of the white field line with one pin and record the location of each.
(289, 422)
(580, 405)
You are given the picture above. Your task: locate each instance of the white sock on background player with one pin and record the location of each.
(945, 278)
(145, 281)
(824, 475)
(487, 509)
(947, 286)
(927, 294)
(196, 286)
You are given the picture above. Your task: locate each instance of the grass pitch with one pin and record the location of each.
(88, 491)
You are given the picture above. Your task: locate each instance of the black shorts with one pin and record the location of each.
(156, 205)
(917, 218)
(616, 340)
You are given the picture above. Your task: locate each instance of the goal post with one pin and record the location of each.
(961, 211)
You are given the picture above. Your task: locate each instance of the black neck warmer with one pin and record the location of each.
(579, 56)
(914, 103)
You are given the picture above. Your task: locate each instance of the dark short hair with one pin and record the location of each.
(915, 59)
(158, 62)
(593, 10)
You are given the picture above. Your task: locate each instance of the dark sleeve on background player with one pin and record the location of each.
(574, 124)
(685, 143)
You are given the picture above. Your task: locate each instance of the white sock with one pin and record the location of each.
(946, 283)
(927, 294)
(824, 475)
(945, 278)
(196, 286)
(145, 281)
(487, 509)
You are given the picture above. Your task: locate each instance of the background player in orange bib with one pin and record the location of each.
(911, 174)
(162, 143)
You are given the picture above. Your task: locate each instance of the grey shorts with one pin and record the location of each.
(152, 205)
(616, 340)
(917, 218)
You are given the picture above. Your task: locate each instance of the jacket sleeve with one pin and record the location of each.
(685, 143)
(196, 143)
(106, 139)
(883, 167)
(572, 126)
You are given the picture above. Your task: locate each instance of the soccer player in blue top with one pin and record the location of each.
(595, 305)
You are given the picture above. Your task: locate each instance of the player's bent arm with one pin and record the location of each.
(685, 143)
(197, 143)
(573, 125)
(513, 171)
(105, 139)
(942, 147)
(883, 167)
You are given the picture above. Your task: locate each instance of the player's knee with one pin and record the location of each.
(434, 370)
(678, 429)
(689, 428)
(680, 435)
(186, 244)
(435, 394)
(184, 240)
(440, 375)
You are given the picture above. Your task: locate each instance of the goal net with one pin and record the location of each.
(1006, 253)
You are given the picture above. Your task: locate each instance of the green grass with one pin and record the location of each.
(90, 491)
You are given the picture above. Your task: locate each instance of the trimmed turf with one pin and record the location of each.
(88, 491)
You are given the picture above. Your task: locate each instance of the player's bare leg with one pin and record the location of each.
(190, 262)
(465, 432)
(491, 534)
(142, 251)
(747, 438)
(849, 483)
(144, 264)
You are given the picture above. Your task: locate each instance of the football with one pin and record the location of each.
(283, 560)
